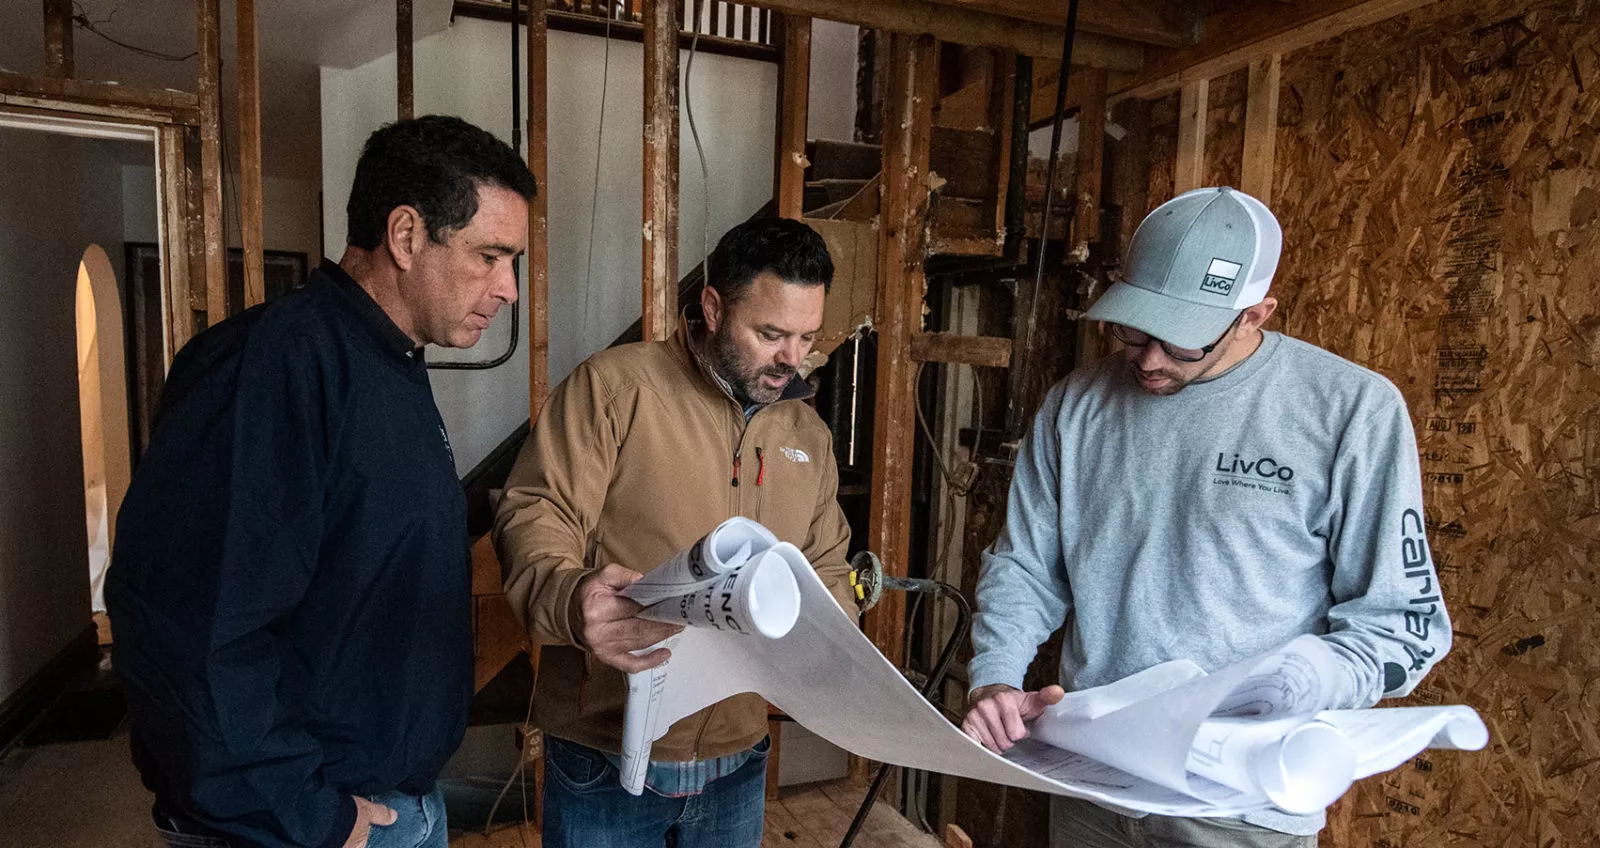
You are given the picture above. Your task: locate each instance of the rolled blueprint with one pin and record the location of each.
(719, 552)
(760, 596)
(1300, 765)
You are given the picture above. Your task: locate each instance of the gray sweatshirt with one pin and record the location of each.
(1280, 499)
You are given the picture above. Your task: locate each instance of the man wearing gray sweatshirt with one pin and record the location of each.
(1208, 493)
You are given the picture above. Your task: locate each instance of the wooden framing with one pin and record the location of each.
(1243, 32)
(58, 53)
(1162, 22)
(249, 119)
(1261, 128)
(794, 93)
(209, 39)
(1190, 166)
(991, 351)
(115, 102)
(404, 47)
(907, 132)
(177, 253)
(972, 27)
(1091, 158)
(538, 209)
(660, 169)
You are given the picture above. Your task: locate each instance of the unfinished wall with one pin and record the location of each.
(466, 71)
(58, 195)
(1438, 179)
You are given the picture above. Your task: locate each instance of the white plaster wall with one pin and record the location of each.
(465, 71)
(58, 195)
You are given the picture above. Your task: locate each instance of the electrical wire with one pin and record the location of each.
(938, 455)
(81, 18)
(594, 201)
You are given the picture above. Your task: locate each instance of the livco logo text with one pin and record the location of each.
(1265, 467)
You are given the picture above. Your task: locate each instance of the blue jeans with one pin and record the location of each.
(420, 823)
(586, 807)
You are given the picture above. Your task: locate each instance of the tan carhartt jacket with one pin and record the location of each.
(637, 454)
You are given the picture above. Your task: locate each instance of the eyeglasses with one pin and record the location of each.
(1138, 338)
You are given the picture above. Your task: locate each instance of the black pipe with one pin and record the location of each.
(931, 685)
(516, 145)
(1055, 138)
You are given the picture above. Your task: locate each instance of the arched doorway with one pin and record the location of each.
(103, 411)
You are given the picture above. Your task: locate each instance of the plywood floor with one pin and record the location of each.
(814, 816)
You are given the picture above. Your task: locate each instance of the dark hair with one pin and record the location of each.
(786, 247)
(435, 163)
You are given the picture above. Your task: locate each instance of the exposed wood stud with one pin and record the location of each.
(538, 209)
(58, 52)
(992, 351)
(248, 115)
(1261, 128)
(1190, 166)
(209, 39)
(660, 170)
(913, 87)
(123, 102)
(1091, 159)
(405, 44)
(176, 279)
(793, 102)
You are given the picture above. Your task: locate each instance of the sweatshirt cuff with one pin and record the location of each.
(987, 671)
(344, 821)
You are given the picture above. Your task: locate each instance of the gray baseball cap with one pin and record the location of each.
(1194, 264)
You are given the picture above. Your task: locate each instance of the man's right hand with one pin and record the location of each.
(997, 712)
(607, 625)
(368, 815)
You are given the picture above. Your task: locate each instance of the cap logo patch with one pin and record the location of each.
(1220, 277)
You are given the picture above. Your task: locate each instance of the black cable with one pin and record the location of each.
(516, 146)
(1050, 168)
(81, 18)
(931, 685)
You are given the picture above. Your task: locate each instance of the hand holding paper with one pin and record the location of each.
(607, 621)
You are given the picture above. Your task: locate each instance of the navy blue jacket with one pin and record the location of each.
(290, 588)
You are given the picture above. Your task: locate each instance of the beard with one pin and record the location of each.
(744, 378)
(1175, 382)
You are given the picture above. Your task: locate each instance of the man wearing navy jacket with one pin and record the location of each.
(290, 586)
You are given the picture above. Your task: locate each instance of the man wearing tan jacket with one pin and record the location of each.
(642, 450)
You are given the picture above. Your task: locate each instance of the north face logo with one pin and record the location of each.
(795, 454)
(1220, 277)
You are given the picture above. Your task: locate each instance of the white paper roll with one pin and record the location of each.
(1300, 765)
(719, 552)
(759, 597)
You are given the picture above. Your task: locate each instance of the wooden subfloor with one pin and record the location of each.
(814, 816)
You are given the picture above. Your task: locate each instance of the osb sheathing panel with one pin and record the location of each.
(1225, 105)
(1438, 180)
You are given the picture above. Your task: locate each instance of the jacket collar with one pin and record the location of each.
(689, 343)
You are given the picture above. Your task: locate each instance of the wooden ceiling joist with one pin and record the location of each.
(1239, 34)
(958, 25)
(1160, 22)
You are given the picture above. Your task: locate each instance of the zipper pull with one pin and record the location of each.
(736, 469)
(761, 466)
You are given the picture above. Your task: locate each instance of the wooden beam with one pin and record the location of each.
(1091, 159)
(209, 39)
(141, 105)
(248, 115)
(1000, 108)
(1131, 169)
(907, 134)
(1190, 167)
(176, 280)
(660, 169)
(1242, 32)
(538, 208)
(1079, 87)
(794, 93)
(968, 26)
(625, 29)
(58, 53)
(1261, 128)
(405, 44)
(1161, 22)
(992, 351)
